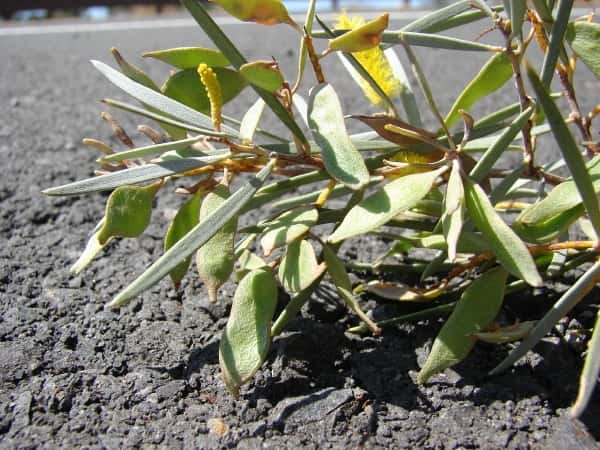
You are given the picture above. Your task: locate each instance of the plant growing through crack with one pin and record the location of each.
(446, 190)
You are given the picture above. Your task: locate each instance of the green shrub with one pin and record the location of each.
(423, 189)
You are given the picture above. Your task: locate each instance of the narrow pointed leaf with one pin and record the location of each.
(476, 309)
(517, 16)
(247, 336)
(157, 100)
(557, 38)
(139, 174)
(590, 372)
(185, 220)
(133, 72)
(496, 72)
(394, 198)
(584, 38)
(434, 19)
(150, 150)
(326, 119)
(491, 155)
(299, 266)
(216, 257)
(92, 249)
(510, 251)
(224, 44)
(569, 299)
(189, 57)
(568, 148)
(435, 41)
(197, 237)
(407, 96)
(288, 227)
(128, 212)
(187, 88)
(336, 268)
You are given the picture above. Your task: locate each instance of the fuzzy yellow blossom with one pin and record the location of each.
(374, 62)
(213, 90)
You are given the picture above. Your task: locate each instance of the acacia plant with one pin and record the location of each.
(447, 189)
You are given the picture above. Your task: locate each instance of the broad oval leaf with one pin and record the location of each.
(326, 120)
(493, 75)
(394, 198)
(215, 259)
(197, 237)
(189, 57)
(186, 87)
(128, 212)
(299, 267)
(454, 210)
(248, 262)
(361, 38)
(265, 12)
(288, 227)
(506, 245)
(264, 74)
(584, 38)
(183, 222)
(247, 336)
(476, 309)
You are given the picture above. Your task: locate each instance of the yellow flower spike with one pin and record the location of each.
(213, 89)
(265, 12)
(361, 38)
(374, 62)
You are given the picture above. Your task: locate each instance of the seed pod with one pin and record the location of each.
(247, 335)
(215, 259)
(361, 38)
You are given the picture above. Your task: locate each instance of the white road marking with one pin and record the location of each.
(33, 30)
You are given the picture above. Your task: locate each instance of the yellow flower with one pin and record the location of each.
(374, 62)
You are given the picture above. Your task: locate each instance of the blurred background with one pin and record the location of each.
(104, 9)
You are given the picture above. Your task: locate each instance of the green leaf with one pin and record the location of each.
(336, 268)
(407, 96)
(550, 228)
(491, 155)
(454, 210)
(92, 249)
(438, 17)
(247, 336)
(569, 299)
(590, 372)
(128, 212)
(138, 174)
(157, 100)
(517, 16)
(303, 53)
(288, 227)
(568, 148)
(556, 44)
(435, 41)
(189, 57)
(185, 220)
(215, 259)
(248, 262)
(133, 72)
(398, 196)
(493, 75)
(326, 119)
(264, 74)
(476, 309)
(265, 12)
(584, 38)
(186, 87)
(506, 245)
(221, 40)
(150, 150)
(250, 121)
(197, 237)
(299, 266)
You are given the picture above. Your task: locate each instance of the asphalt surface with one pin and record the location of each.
(73, 375)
